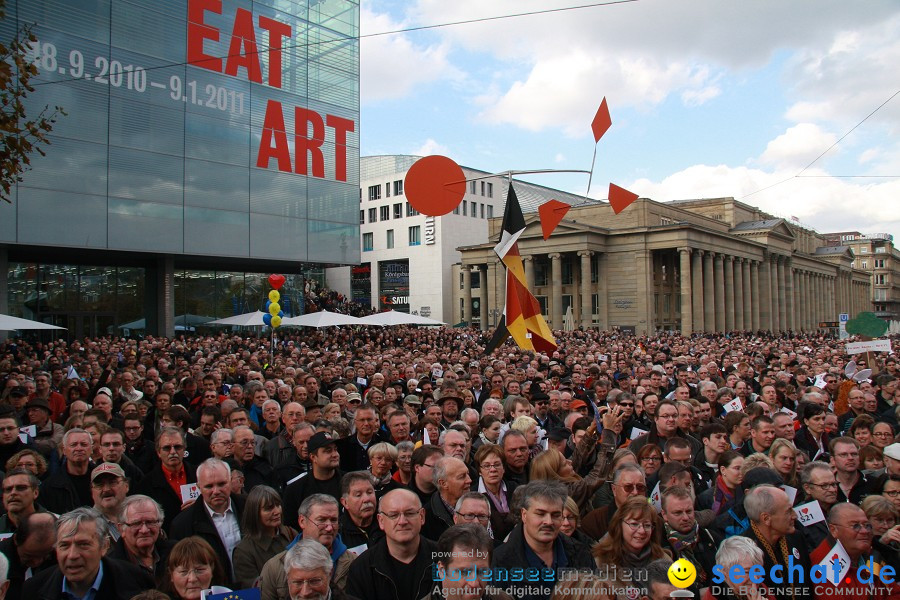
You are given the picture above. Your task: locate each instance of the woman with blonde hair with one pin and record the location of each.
(553, 466)
(529, 427)
(784, 458)
(634, 539)
(571, 521)
(382, 457)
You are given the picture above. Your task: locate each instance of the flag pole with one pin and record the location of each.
(591, 175)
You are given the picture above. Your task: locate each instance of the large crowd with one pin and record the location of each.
(405, 464)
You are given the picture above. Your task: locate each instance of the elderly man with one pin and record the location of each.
(307, 570)
(221, 444)
(628, 480)
(255, 468)
(536, 541)
(358, 525)
(465, 553)
(473, 508)
(164, 482)
(397, 567)
(48, 434)
(848, 524)
(298, 463)
(140, 522)
(318, 521)
(216, 515)
(515, 457)
(109, 488)
(451, 479)
(772, 529)
(20, 493)
(82, 571)
(280, 449)
(354, 448)
(70, 486)
(29, 550)
(818, 482)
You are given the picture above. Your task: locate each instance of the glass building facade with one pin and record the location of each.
(201, 136)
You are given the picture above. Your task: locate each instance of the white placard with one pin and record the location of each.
(810, 513)
(357, 550)
(4, 536)
(361, 381)
(30, 430)
(788, 411)
(23, 437)
(636, 433)
(837, 553)
(791, 493)
(870, 346)
(603, 358)
(437, 373)
(734, 405)
(656, 498)
(189, 491)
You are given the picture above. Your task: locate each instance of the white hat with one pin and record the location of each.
(893, 451)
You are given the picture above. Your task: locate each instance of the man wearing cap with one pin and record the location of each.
(541, 401)
(109, 488)
(451, 404)
(891, 461)
(48, 434)
(354, 449)
(557, 439)
(323, 478)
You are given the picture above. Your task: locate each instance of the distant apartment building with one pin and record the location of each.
(876, 254)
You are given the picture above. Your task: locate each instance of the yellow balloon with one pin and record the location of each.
(276, 321)
(274, 308)
(274, 296)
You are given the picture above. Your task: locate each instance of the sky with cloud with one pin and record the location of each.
(708, 98)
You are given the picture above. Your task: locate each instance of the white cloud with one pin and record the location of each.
(431, 147)
(392, 66)
(797, 147)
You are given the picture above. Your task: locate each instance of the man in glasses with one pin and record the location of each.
(848, 524)
(164, 482)
(818, 482)
(20, 492)
(319, 522)
(628, 481)
(140, 523)
(665, 427)
(541, 401)
(398, 566)
(307, 571)
(109, 486)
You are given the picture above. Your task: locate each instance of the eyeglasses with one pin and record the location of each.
(635, 525)
(408, 514)
(857, 527)
(884, 434)
(631, 488)
(141, 524)
(651, 459)
(668, 417)
(196, 571)
(321, 523)
(170, 448)
(492, 466)
(315, 582)
(891, 493)
(626, 404)
(17, 488)
(469, 517)
(826, 486)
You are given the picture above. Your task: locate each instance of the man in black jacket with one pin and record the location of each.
(31, 547)
(399, 566)
(82, 540)
(169, 474)
(256, 469)
(216, 515)
(537, 541)
(684, 536)
(70, 486)
(323, 478)
(354, 448)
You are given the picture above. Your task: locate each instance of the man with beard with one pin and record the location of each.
(358, 525)
(451, 404)
(216, 515)
(109, 488)
(684, 537)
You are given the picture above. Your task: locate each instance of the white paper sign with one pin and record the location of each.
(636, 433)
(357, 550)
(810, 513)
(189, 491)
(361, 381)
(734, 405)
(791, 493)
(30, 430)
(603, 358)
(870, 346)
(656, 498)
(788, 411)
(23, 437)
(437, 373)
(3, 536)
(836, 554)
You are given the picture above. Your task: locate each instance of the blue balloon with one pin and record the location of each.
(267, 319)
(268, 303)
(281, 313)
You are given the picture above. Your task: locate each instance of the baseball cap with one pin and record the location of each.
(576, 404)
(412, 399)
(320, 440)
(107, 468)
(893, 451)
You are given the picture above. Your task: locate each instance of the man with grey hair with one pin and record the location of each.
(216, 515)
(280, 449)
(164, 482)
(82, 539)
(254, 467)
(473, 507)
(318, 521)
(140, 521)
(451, 478)
(772, 529)
(221, 444)
(537, 542)
(307, 570)
(70, 486)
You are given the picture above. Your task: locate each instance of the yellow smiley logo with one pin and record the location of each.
(682, 573)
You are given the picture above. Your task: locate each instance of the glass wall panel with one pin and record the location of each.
(145, 225)
(130, 293)
(278, 238)
(229, 294)
(216, 232)
(22, 289)
(41, 221)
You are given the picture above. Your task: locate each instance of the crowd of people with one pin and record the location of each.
(403, 464)
(318, 298)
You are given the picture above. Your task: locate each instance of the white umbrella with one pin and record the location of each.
(244, 320)
(323, 318)
(8, 323)
(393, 317)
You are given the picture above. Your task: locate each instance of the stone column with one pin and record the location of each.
(789, 293)
(697, 290)
(602, 312)
(782, 297)
(684, 273)
(483, 301)
(739, 294)
(747, 297)
(754, 290)
(765, 297)
(709, 299)
(798, 314)
(528, 263)
(491, 281)
(831, 309)
(4, 288)
(466, 314)
(775, 293)
(729, 292)
(719, 274)
(586, 288)
(556, 316)
(809, 299)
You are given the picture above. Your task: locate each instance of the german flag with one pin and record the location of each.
(522, 317)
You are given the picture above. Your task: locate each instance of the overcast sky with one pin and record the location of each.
(708, 98)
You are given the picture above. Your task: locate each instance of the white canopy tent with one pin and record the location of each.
(8, 323)
(322, 318)
(393, 317)
(251, 319)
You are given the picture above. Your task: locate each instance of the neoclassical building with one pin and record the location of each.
(708, 265)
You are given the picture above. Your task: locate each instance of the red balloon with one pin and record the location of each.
(276, 281)
(435, 185)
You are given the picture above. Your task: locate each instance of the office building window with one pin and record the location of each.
(398, 187)
(490, 212)
(410, 211)
(368, 242)
(362, 217)
(456, 210)
(482, 210)
(390, 239)
(385, 212)
(490, 190)
(482, 187)
(373, 215)
(475, 210)
(465, 207)
(374, 192)
(398, 210)
(387, 189)
(472, 186)
(415, 235)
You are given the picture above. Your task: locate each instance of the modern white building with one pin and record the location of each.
(407, 257)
